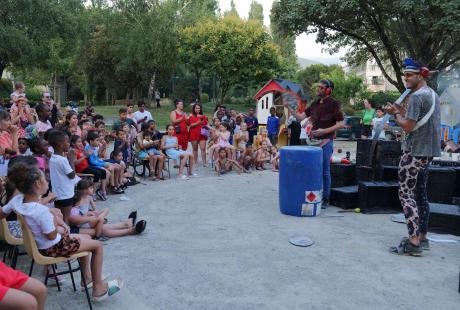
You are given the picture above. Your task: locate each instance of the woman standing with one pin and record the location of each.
(21, 115)
(199, 132)
(179, 120)
(368, 116)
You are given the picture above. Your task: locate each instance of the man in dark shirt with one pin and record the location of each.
(253, 125)
(326, 116)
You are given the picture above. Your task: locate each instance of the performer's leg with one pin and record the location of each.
(409, 168)
(327, 153)
(422, 201)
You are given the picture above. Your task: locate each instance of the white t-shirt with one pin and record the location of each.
(39, 219)
(62, 186)
(138, 115)
(375, 122)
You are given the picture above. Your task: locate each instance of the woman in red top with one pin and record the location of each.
(198, 128)
(78, 160)
(179, 120)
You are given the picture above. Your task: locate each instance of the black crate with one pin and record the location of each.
(388, 159)
(364, 173)
(445, 163)
(444, 218)
(343, 175)
(363, 145)
(375, 196)
(388, 173)
(442, 184)
(344, 197)
(362, 158)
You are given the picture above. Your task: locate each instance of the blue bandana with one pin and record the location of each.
(411, 65)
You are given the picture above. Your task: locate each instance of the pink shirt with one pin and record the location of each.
(43, 127)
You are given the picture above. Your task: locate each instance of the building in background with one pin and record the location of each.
(372, 76)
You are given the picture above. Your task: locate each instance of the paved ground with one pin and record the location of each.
(221, 243)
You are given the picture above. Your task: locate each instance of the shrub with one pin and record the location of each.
(204, 98)
(6, 88)
(34, 93)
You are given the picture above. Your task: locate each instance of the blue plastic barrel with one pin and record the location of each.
(301, 180)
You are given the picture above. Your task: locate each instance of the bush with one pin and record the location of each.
(381, 98)
(204, 98)
(5, 88)
(34, 93)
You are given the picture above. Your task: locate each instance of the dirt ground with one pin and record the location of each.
(221, 243)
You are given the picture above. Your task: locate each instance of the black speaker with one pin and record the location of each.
(444, 218)
(378, 196)
(443, 184)
(343, 175)
(344, 197)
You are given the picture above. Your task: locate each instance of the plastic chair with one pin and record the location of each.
(446, 132)
(456, 135)
(12, 241)
(37, 257)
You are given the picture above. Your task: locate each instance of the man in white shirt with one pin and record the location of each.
(141, 116)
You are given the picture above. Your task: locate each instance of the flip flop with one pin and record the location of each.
(114, 286)
(90, 284)
(140, 227)
(133, 216)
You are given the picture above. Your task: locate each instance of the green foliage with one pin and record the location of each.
(34, 94)
(346, 87)
(256, 12)
(387, 31)
(237, 51)
(5, 88)
(204, 98)
(380, 99)
(309, 76)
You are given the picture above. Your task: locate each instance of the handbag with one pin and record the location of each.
(205, 132)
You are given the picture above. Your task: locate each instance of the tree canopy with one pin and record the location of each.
(387, 30)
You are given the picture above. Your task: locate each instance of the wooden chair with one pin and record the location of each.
(37, 257)
(12, 242)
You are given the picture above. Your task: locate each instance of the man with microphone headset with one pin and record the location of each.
(326, 117)
(422, 126)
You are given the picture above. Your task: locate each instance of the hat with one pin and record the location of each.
(411, 65)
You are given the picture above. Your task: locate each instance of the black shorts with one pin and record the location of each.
(99, 173)
(65, 203)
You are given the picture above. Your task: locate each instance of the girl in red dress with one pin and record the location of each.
(199, 132)
(179, 120)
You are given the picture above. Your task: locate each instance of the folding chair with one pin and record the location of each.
(12, 242)
(37, 257)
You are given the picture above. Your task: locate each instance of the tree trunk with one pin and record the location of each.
(151, 87)
(2, 67)
(433, 80)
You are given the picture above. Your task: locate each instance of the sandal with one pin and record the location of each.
(133, 216)
(114, 286)
(101, 238)
(176, 167)
(140, 227)
(90, 284)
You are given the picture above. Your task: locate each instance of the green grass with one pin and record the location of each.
(161, 116)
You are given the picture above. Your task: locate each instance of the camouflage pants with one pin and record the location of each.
(413, 176)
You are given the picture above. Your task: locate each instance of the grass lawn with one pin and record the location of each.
(161, 116)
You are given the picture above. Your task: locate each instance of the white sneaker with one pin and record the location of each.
(193, 175)
(183, 177)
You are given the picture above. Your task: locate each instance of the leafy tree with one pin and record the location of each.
(38, 34)
(386, 30)
(232, 11)
(237, 51)
(346, 87)
(286, 42)
(256, 12)
(309, 76)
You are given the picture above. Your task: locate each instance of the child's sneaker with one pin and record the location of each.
(193, 175)
(182, 177)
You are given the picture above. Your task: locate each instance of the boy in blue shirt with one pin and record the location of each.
(273, 126)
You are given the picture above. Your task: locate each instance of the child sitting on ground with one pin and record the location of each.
(276, 159)
(31, 182)
(262, 156)
(85, 219)
(224, 164)
(223, 138)
(247, 158)
(261, 137)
